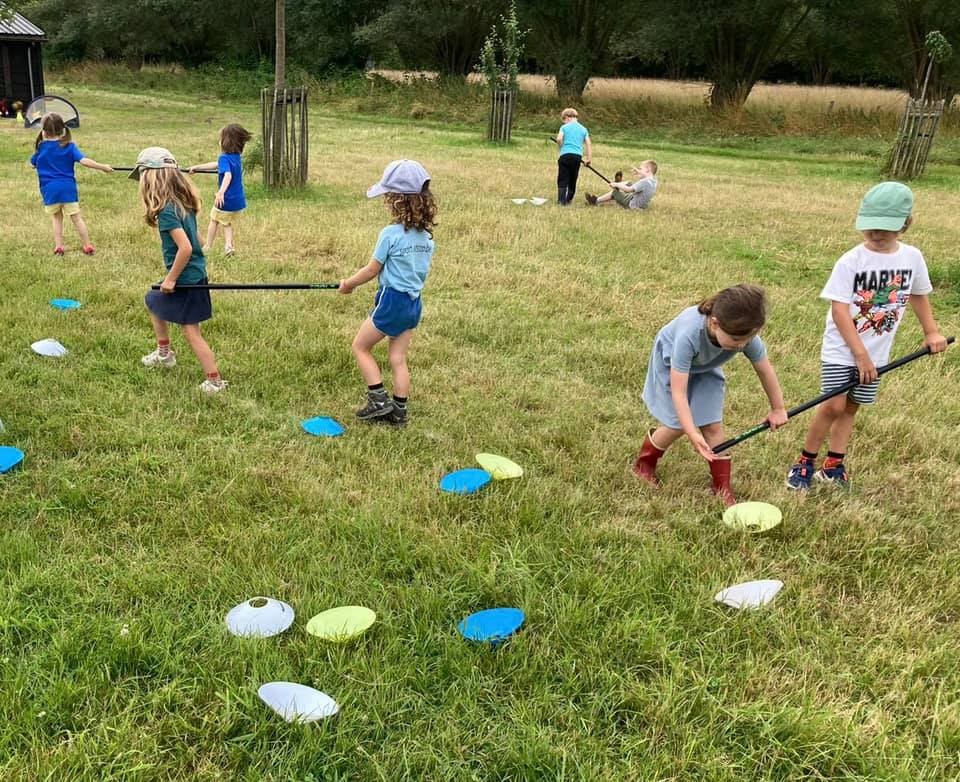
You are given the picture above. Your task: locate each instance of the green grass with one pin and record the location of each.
(143, 504)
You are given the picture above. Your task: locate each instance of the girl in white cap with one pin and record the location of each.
(171, 202)
(401, 261)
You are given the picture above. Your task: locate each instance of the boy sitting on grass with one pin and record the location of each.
(635, 195)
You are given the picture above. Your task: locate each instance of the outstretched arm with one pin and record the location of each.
(87, 162)
(678, 392)
(365, 274)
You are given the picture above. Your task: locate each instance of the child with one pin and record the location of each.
(631, 195)
(171, 202)
(402, 260)
(230, 200)
(685, 384)
(572, 139)
(868, 290)
(54, 159)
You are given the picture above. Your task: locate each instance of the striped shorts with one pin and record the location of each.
(832, 376)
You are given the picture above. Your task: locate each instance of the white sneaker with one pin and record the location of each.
(213, 386)
(156, 360)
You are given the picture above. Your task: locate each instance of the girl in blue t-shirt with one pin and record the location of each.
(170, 204)
(54, 158)
(685, 385)
(401, 260)
(230, 199)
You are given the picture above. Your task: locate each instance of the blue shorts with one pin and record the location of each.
(394, 312)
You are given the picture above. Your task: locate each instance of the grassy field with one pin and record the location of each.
(144, 511)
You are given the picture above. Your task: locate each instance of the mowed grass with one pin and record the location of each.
(143, 505)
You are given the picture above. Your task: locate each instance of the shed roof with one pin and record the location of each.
(18, 26)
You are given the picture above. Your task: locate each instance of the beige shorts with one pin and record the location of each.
(71, 208)
(224, 218)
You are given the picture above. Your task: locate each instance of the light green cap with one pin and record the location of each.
(885, 207)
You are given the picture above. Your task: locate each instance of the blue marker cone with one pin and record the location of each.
(493, 626)
(65, 304)
(322, 427)
(465, 481)
(10, 457)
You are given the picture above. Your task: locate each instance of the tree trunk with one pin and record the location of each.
(729, 93)
(279, 72)
(571, 81)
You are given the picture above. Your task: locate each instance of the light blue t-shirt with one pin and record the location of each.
(405, 255)
(685, 345)
(574, 135)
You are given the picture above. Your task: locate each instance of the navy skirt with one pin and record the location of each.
(184, 307)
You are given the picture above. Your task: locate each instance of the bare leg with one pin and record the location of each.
(191, 332)
(605, 197)
(228, 237)
(211, 234)
(81, 228)
(57, 229)
(823, 422)
(160, 327)
(663, 437)
(713, 434)
(843, 427)
(398, 363)
(367, 336)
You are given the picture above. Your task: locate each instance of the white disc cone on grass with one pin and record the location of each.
(749, 595)
(49, 347)
(297, 702)
(259, 617)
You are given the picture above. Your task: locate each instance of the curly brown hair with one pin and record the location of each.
(414, 210)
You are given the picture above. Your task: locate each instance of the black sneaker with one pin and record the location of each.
(396, 417)
(378, 405)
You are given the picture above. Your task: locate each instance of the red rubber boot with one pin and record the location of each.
(645, 466)
(720, 472)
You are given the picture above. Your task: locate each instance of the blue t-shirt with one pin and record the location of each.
(54, 165)
(686, 347)
(234, 199)
(170, 219)
(405, 256)
(574, 135)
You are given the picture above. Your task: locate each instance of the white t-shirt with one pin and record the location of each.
(877, 286)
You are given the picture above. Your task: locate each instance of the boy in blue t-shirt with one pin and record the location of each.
(230, 200)
(573, 138)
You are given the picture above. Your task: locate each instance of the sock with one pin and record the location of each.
(215, 376)
(376, 387)
(833, 459)
(400, 401)
(163, 347)
(806, 456)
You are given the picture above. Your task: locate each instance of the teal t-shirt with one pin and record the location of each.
(574, 134)
(405, 255)
(168, 220)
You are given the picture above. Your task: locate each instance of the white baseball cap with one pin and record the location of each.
(406, 177)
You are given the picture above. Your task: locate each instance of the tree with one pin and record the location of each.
(445, 35)
(917, 19)
(571, 37)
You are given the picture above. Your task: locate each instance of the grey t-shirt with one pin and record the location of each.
(643, 193)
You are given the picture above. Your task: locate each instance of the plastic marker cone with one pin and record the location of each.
(752, 516)
(323, 427)
(464, 481)
(10, 457)
(49, 347)
(259, 617)
(297, 702)
(494, 625)
(499, 467)
(65, 304)
(341, 624)
(750, 595)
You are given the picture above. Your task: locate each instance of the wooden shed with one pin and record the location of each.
(21, 63)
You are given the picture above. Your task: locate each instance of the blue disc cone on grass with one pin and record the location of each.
(465, 481)
(65, 304)
(493, 626)
(10, 457)
(321, 426)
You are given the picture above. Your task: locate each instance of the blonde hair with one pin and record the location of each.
(569, 113)
(161, 186)
(652, 164)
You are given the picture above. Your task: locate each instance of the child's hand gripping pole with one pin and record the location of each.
(586, 165)
(823, 398)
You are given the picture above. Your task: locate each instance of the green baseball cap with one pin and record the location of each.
(885, 207)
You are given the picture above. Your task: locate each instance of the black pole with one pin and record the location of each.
(587, 165)
(134, 168)
(823, 398)
(256, 286)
